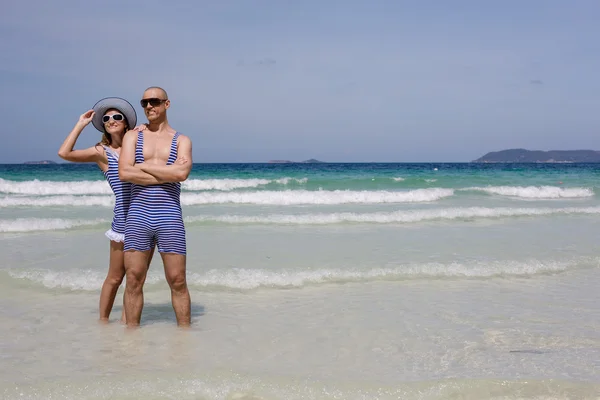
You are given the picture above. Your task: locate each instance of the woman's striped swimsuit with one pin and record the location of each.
(155, 211)
(122, 191)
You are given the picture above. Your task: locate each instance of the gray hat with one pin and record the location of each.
(117, 103)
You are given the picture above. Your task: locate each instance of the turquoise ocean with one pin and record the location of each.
(314, 281)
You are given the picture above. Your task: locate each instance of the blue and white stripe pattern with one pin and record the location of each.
(122, 191)
(155, 211)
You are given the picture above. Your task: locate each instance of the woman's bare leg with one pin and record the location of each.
(114, 277)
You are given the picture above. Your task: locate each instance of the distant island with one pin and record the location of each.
(311, 161)
(538, 156)
(40, 162)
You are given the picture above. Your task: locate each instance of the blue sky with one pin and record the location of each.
(251, 81)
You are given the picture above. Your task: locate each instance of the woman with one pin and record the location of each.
(113, 117)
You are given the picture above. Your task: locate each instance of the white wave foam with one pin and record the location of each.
(37, 187)
(287, 197)
(233, 184)
(44, 224)
(223, 184)
(298, 197)
(398, 179)
(292, 197)
(247, 279)
(49, 224)
(86, 280)
(285, 181)
(105, 201)
(393, 217)
(45, 188)
(536, 192)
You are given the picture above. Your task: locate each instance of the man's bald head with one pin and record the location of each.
(158, 89)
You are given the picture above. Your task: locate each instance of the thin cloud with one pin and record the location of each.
(267, 62)
(264, 62)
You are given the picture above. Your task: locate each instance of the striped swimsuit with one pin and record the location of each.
(122, 191)
(155, 211)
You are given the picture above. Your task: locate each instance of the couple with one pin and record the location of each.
(144, 166)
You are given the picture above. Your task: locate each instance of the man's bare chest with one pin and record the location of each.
(157, 149)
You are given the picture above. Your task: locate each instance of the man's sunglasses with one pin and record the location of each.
(154, 102)
(115, 117)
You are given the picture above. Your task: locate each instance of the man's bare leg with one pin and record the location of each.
(175, 274)
(136, 268)
(123, 316)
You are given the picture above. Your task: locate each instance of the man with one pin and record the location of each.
(155, 161)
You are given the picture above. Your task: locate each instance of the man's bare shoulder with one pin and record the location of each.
(183, 138)
(130, 133)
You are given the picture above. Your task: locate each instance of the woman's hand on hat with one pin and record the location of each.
(86, 117)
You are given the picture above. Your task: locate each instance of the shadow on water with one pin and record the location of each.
(528, 351)
(163, 312)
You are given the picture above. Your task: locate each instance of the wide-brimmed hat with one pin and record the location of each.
(117, 103)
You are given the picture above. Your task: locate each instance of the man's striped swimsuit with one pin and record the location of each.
(155, 211)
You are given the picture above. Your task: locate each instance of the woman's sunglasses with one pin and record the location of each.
(115, 117)
(154, 102)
